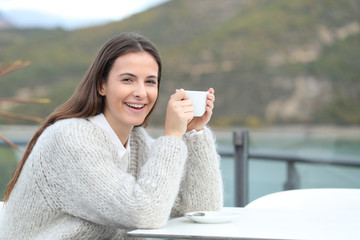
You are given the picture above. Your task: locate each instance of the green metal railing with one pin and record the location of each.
(242, 154)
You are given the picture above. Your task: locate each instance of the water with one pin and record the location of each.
(267, 176)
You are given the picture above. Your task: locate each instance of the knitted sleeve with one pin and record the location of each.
(201, 187)
(76, 174)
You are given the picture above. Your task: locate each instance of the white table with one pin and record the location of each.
(256, 224)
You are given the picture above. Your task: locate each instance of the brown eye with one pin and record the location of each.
(151, 82)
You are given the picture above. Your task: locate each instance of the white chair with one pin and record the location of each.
(320, 198)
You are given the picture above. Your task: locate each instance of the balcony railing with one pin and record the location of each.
(241, 154)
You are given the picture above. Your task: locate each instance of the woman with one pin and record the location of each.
(91, 171)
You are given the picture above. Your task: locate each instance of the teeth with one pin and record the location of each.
(135, 105)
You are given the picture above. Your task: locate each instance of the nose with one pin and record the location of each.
(140, 91)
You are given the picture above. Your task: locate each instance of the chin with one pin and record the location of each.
(137, 122)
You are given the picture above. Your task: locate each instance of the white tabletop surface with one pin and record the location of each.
(259, 224)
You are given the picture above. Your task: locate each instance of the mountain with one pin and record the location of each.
(270, 62)
(22, 18)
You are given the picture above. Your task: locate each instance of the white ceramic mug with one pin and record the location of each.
(198, 99)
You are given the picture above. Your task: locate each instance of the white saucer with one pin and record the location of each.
(212, 217)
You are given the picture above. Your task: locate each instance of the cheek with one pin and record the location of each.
(113, 97)
(154, 95)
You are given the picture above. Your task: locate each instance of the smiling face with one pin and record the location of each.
(131, 90)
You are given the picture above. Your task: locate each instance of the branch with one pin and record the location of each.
(10, 143)
(12, 67)
(14, 100)
(21, 116)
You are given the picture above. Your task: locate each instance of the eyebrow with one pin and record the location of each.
(133, 75)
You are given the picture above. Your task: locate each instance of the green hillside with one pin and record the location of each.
(275, 61)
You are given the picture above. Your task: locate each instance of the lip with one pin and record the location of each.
(133, 109)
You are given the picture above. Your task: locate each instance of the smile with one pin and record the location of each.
(134, 105)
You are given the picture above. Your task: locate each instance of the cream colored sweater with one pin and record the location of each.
(72, 187)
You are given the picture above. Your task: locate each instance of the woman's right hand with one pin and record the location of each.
(179, 113)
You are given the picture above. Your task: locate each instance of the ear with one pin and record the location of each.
(101, 90)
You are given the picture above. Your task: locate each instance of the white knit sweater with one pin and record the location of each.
(72, 186)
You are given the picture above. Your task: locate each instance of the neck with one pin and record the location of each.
(122, 131)
(123, 134)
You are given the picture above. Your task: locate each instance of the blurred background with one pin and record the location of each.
(287, 71)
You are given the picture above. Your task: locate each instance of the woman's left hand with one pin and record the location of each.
(198, 123)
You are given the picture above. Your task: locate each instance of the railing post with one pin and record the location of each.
(293, 178)
(241, 144)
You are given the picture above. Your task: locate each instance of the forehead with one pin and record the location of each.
(136, 60)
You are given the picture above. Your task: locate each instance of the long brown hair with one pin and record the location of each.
(86, 100)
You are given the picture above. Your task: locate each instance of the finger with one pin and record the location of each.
(188, 109)
(183, 103)
(179, 95)
(211, 94)
(210, 104)
(187, 102)
(211, 97)
(208, 111)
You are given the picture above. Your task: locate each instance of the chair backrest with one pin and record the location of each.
(321, 198)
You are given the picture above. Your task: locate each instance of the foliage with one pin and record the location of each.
(7, 165)
(4, 70)
(7, 159)
(227, 45)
